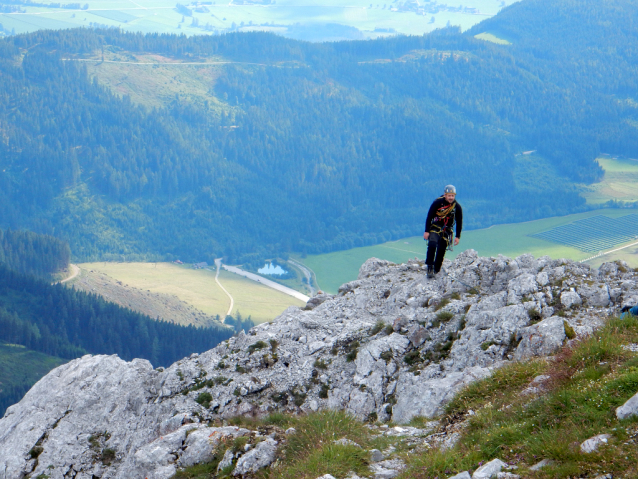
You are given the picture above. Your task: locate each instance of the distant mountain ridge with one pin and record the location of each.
(317, 147)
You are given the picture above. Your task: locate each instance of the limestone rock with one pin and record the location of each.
(462, 475)
(592, 444)
(541, 464)
(387, 469)
(445, 334)
(630, 408)
(541, 339)
(491, 469)
(261, 456)
(570, 298)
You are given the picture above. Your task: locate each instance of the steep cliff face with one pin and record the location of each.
(391, 345)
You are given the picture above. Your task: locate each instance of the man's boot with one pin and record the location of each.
(430, 271)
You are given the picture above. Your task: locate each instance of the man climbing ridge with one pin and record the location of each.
(443, 214)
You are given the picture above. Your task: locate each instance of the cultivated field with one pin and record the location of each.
(303, 19)
(619, 183)
(334, 269)
(199, 289)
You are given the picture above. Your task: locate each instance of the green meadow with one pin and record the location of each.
(334, 269)
(161, 16)
(619, 183)
(199, 288)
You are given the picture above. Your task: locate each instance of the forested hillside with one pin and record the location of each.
(30, 253)
(316, 147)
(43, 325)
(63, 323)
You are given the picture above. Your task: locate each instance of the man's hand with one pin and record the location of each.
(456, 241)
(426, 235)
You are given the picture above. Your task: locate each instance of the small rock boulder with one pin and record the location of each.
(462, 475)
(630, 408)
(592, 444)
(491, 469)
(541, 339)
(262, 456)
(570, 298)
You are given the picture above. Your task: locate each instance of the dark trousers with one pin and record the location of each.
(436, 251)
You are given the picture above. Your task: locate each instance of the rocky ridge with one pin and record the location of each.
(389, 346)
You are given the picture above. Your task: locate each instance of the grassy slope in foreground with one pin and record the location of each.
(21, 368)
(587, 380)
(199, 289)
(334, 269)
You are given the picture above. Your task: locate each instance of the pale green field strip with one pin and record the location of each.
(488, 37)
(334, 269)
(619, 183)
(199, 289)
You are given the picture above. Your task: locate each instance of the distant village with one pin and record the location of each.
(202, 265)
(422, 7)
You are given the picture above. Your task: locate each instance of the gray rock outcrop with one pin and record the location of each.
(630, 408)
(391, 345)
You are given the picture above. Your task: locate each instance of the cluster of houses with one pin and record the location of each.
(425, 7)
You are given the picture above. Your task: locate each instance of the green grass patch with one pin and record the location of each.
(488, 37)
(334, 269)
(588, 381)
(199, 288)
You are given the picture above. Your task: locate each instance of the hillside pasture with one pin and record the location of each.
(155, 80)
(199, 289)
(618, 183)
(334, 269)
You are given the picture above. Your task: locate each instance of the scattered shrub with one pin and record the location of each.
(386, 356)
(412, 357)
(37, 450)
(323, 393)
(455, 295)
(108, 455)
(239, 369)
(377, 327)
(444, 316)
(320, 364)
(569, 331)
(485, 346)
(389, 329)
(442, 304)
(204, 399)
(256, 346)
(534, 315)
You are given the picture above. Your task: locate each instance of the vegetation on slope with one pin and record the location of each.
(318, 147)
(21, 368)
(30, 253)
(585, 383)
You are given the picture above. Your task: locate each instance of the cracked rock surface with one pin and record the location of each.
(389, 346)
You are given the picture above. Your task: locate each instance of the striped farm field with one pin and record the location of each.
(580, 240)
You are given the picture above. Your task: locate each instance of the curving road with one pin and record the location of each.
(266, 282)
(307, 273)
(218, 263)
(74, 272)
